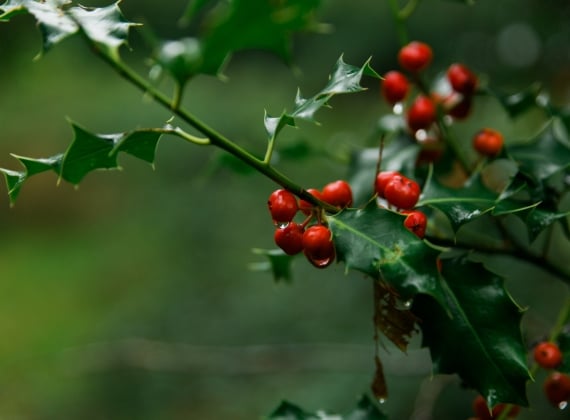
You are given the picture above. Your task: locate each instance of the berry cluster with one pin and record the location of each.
(421, 111)
(315, 240)
(403, 193)
(556, 387)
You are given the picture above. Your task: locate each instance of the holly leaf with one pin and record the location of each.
(544, 156)
(104, 26)
(564, 345)
(365, 410)
(374, 241)
(518, 103)
(460, 205)
(239, 25)
(482, 340)
(290, 411)
(278, 262)
(88, 152)
(345, 78)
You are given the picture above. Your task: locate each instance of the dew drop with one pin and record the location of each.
(381, 400)
(322, 262)
(404, 305)
(281, 225)
(563, 405)
(398, 108)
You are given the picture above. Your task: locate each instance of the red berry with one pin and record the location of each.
(290, 238)
(395, 87)
(318, 246)
(557, 388)
(337, 193)
(421, 113)
(402, 192)
(416, 222)
(488, 142)
(382, 179)
(462, 79)
(307, 207)
(415, 56)
(282, 206)
(547, 355)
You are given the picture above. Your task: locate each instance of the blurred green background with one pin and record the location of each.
(131, 297)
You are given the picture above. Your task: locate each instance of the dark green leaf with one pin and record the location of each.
(345, 78)
(252, 24)
(538, 219)
(366, 410)
(544, 156)
(460, 205)
(278, 263)
(564, 344)
(87, 152)
(482, 340)
(374, 241)
(289, 411)
(520, 102)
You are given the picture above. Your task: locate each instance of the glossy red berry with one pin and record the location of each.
(415, 56)
(318, 245)
(462, 79)
(395, 87)
(421, 113)
(557, 388)
(547, 355)
(290, 238)
(402, 192)
(337, 193)
(282, 206)
(416, 222)
(382, 180)
(488, 142)
(307, 207)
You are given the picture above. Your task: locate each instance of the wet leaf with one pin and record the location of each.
(518, 103)
(489, 356)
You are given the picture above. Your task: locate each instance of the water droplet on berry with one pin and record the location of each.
(381, 400)
(281, 225)
(398, 108)
(321, 263)
(563, 405)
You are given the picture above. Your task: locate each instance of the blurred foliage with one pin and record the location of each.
(131, 297)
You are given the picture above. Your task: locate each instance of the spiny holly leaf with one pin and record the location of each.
(105, 26)
(518, 103)
(345, 78)
(365, 410)
(482, 340)
(538, 219)
(238, 25)
(544, 156)
(374, 241)
(87, 152)
(289, 411)
(460, 205)
(278, 263)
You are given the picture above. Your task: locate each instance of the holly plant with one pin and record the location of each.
(414, 213)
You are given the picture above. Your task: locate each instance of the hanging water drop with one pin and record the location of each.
(381, 400)
(398, 108)
(563, 405)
